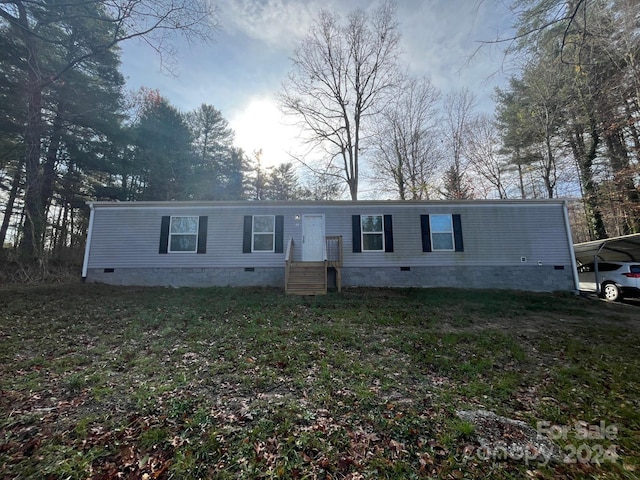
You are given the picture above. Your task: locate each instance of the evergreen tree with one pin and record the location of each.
(218, 170)
(455, 186)
(79, 110)
(162, 151)
(282, 183)
(55, 38)
(592, 49)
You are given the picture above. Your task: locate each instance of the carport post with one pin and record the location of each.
(595, 267)
(574, 266)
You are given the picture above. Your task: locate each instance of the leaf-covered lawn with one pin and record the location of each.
(104, 382)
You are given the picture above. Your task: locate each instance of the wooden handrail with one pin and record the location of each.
(333, 249)
(289, 252)
(324, 251)
(288, 258)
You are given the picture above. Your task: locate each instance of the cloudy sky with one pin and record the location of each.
(242, 71)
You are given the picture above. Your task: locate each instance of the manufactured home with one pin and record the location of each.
(305, 247)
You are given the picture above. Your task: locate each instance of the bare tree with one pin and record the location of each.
(408, 142)
(77, 31)
(458, 115)
(485, 156)
(323, 185)
(343, 74)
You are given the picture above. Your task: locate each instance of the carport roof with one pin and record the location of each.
(620, 249)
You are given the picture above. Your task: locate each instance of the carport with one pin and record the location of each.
(617, 249)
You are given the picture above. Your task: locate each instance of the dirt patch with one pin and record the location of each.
(504, 438)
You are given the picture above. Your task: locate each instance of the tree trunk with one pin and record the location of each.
(521, 181)
(353, 189)
(8, 211)
(31, 247)
(632, 127)
(623, 178)
(64, 226)
(351, 172)
(584, 159)
(49, 166)
(56, 232)
(549, 168)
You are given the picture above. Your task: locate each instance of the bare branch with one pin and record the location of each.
(342, 73)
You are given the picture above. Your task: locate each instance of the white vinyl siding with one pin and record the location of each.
(530, 229)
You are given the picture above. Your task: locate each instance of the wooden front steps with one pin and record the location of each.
(306, 278)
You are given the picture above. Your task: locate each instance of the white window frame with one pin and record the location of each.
(171, 234)
(254, 233)
(363, 233)
(440, 232)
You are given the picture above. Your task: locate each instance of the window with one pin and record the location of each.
(183, 234)
(263, 233)
(608, 267)
(372, 233)
(441, 232)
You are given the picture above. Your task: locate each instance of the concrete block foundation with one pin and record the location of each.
(543, 278)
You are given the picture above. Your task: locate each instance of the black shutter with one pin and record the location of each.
(388, 234)
(355, 231)
(246, 236)
(457, 232)
(279, 246)
(202, 234)
(164, 235)
(426, 233)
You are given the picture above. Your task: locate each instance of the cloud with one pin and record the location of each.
(279, 23)
(442, 40)
(243, 69)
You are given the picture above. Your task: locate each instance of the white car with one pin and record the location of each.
(617, 279)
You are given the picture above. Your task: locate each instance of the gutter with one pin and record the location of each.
(576, 281)
(87, 247)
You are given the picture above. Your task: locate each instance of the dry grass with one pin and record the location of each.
(100, 382)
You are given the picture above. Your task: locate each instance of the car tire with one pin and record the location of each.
(611, 292)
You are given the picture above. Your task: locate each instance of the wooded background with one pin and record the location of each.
(566, 124)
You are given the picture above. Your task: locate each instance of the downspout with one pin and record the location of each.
(574, 267)
(87, 247)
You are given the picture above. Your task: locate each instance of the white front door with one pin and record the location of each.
(312, 238)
